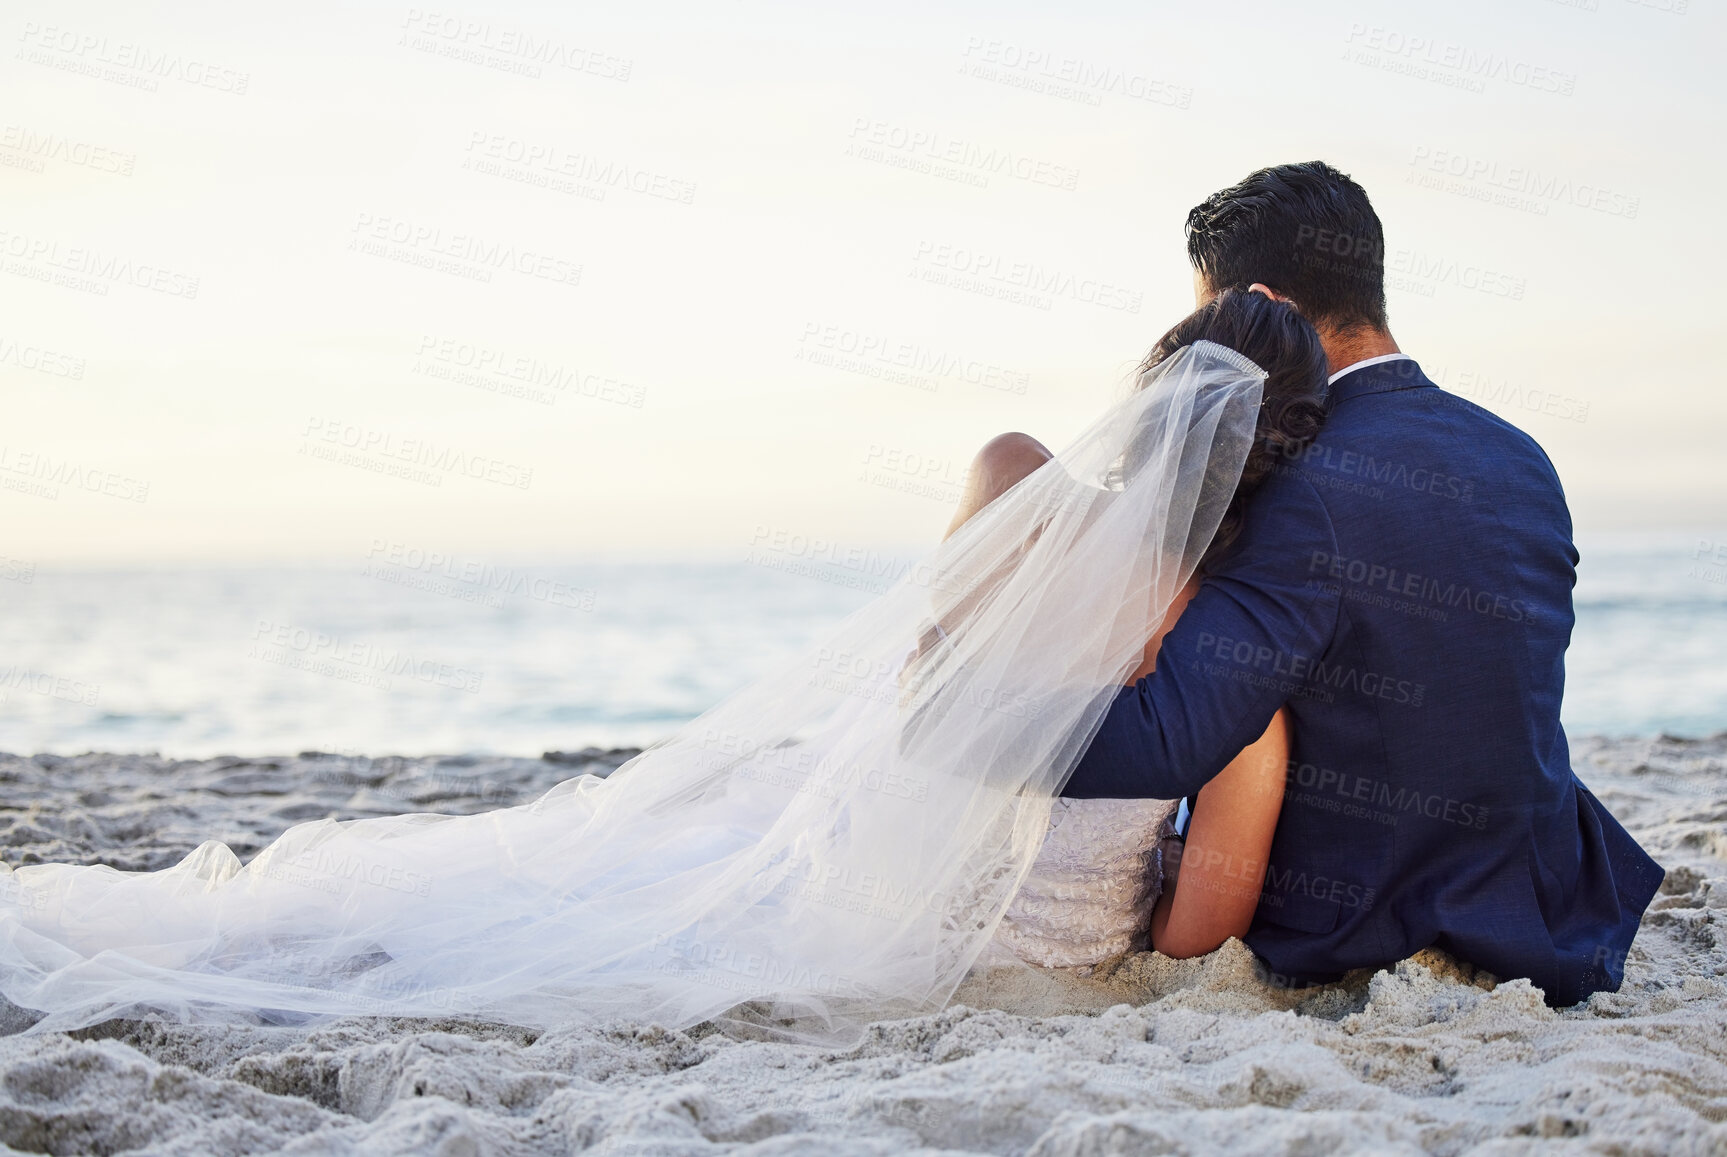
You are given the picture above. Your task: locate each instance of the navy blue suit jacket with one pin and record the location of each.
(1404, 588)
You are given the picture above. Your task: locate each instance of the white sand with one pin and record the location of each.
(1161, 1057)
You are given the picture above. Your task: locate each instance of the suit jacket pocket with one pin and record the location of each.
(1298, 910)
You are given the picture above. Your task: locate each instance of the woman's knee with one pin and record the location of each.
(1004, 460)
(1007, 458)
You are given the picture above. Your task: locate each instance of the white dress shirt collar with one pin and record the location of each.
(1364, 363)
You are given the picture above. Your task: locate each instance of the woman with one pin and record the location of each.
(834, 844)
(1217, 846)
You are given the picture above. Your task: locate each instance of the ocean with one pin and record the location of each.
(416, 656)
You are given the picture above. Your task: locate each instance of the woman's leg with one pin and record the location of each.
(1212, 881)
(1004, 461)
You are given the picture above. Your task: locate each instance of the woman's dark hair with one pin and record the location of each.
(1285, 345)
(1307, 231)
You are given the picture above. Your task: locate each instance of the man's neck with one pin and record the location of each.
(1343, 348)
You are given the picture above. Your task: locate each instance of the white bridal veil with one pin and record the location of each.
(833, 844)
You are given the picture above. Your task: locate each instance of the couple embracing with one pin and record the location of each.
(1357, 697)
(1274, 650)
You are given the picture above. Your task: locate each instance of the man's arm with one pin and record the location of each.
(1240, 649)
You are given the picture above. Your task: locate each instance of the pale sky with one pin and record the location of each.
(260, 263)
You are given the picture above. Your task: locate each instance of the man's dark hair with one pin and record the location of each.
(1306, 231)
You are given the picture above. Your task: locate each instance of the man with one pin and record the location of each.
(1403, 588)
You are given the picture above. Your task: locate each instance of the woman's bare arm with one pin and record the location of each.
(1212, 882)
(1222, 865)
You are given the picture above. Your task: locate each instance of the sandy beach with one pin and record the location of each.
(1157, 1056)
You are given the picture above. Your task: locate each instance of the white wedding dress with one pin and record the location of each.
(837, 843)
(1090, 892)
